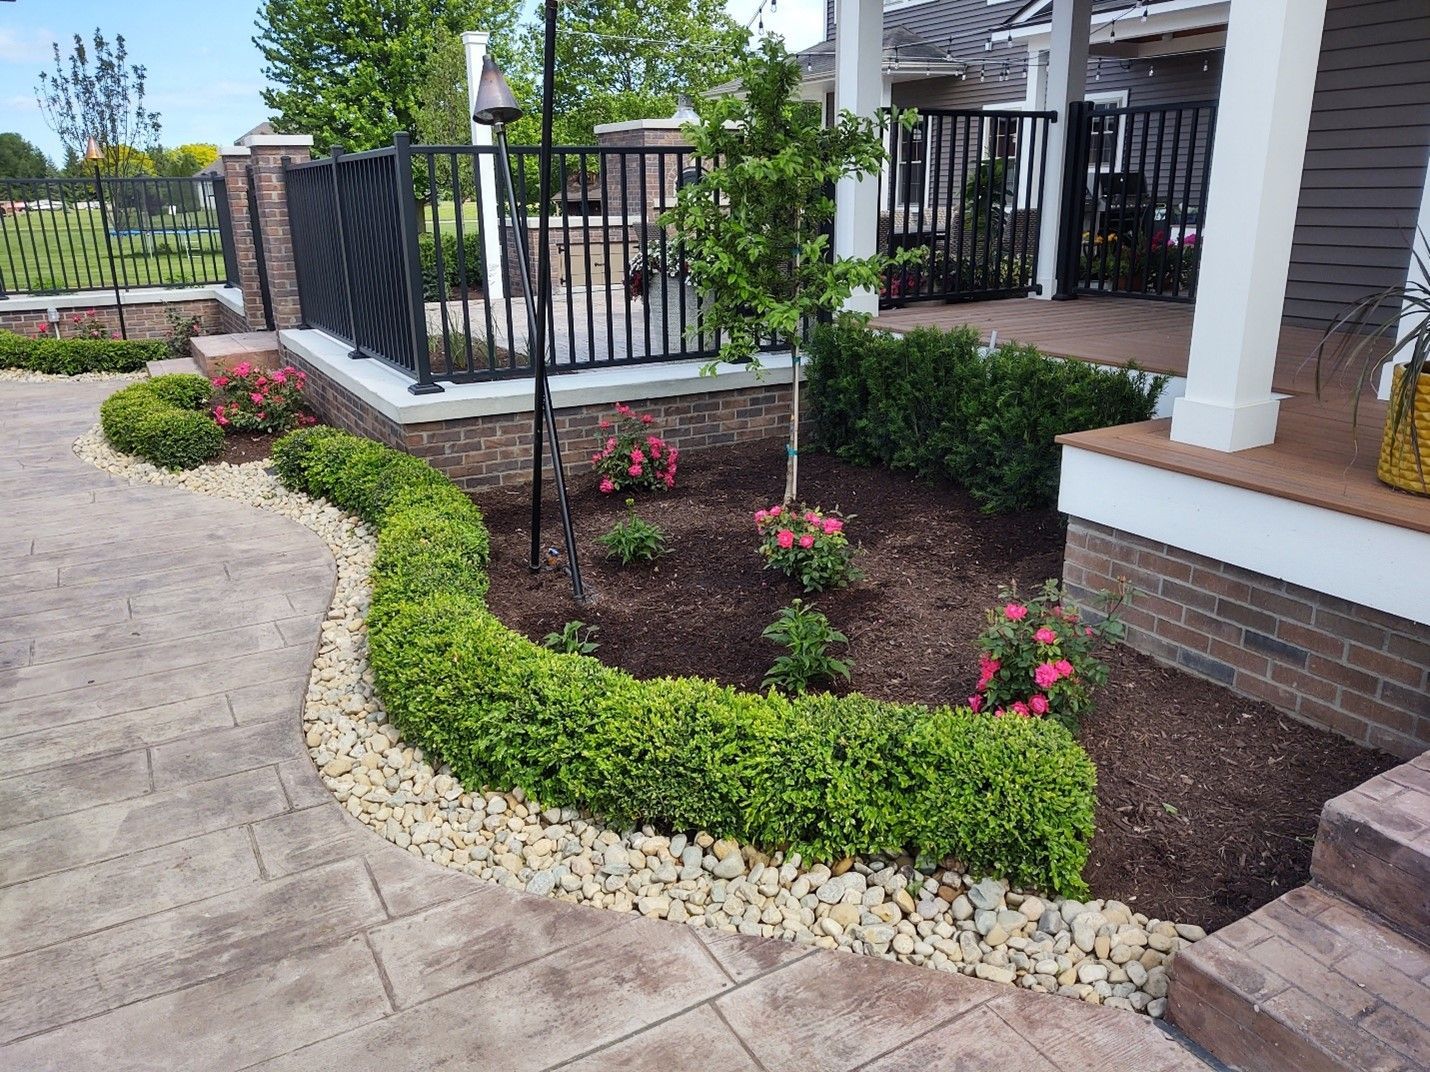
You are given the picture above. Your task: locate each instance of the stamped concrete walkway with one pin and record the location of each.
(179, 891)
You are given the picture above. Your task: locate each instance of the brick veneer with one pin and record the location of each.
(1358, 671)
(231, 322)
(480, 452)
(146, 321)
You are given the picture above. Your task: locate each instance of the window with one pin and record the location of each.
(913, 166)
(1000, 133)
(1106, 133)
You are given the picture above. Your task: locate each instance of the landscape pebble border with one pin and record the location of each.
(918, 912)
(11, 375)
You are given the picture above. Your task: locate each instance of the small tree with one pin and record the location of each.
(754, 228)
(100, 96)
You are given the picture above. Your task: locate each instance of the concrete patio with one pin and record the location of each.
(178, 890)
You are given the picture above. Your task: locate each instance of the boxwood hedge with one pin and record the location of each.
(826, 775)
(163, 420)
(70, 357)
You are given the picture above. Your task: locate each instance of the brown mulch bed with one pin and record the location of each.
(1207, 803)
(240, 447)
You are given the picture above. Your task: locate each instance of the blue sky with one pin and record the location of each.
(204, 73)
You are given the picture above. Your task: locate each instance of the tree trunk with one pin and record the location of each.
(792, 450)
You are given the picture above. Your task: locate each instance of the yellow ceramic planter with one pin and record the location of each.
(1399, 465)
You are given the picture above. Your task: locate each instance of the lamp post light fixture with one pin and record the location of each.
(495, 106)
(93, 155)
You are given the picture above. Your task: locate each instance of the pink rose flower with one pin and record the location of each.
(761, 516)
(1064, 668)
(785, 538)
(603, 424)
(811, 517)
(1045, 636)
(637, 455)
(1046, 676)
(243, 368)
(669, 479)
(975, 703)
(1021, 708)
(1087, 630)
(1039, 703)
(255, 398)
(623, 409)
(607, 485)
(1015, 612)
(832, 525)
(775, 511)
(646, 418)
(635, 470)
(987, 665)
(806, 541)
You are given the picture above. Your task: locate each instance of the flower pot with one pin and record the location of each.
(674, 310)
(1401, 465)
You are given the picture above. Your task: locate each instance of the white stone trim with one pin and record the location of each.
(104, 299)
(385, 389)
(1419, 244)
(639, 124)
(1312, 546)
(277, 141)
(235, 150)
(232, 299)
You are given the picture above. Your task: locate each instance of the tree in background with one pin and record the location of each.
(99, 94)
(184, 160)
(754, 228)
(353, 73)
(22, 159)
(628, 59)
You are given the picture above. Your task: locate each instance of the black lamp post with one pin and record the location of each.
(93, 155)
(496, 106)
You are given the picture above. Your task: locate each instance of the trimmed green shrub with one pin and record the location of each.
(164, 420)
(71, 357)
(827, 776)
(451, 277)
(929, 401)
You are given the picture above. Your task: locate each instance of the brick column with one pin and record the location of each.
(235, 177)
(266, 155)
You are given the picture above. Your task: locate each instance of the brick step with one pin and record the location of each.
(219, 353)
(1309, 983)
(1373, 847)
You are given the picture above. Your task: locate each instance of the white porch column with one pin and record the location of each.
(1065, 81)
(475, 44)
(1272, 50)
(1420, 246)
(858, 87)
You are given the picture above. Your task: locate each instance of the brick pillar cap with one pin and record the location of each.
(475, 37)
(235, 150)
(640, 124)
(277, 141)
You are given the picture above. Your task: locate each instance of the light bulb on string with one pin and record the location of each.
(1144, 11)
(1206, 64)
(1097, 74)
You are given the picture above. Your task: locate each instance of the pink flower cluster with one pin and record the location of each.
(85, 325)
(1037, 659)
(806, 543)
(255, 400)
(632, 456)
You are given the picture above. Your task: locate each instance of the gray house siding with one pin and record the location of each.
(1365, 157)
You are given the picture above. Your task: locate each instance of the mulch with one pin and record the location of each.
(240, 447)
(1207, 802)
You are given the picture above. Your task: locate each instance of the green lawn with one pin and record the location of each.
(56, 250)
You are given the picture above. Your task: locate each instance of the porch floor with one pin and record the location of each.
(1112, 331)
(1318, 457)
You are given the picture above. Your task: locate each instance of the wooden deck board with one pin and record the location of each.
(1318, 457)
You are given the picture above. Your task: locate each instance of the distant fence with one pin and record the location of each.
(64, 235)
(409, 255)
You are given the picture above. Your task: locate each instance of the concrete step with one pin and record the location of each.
(219, 353)
(169, 365)
(1309, 983)
(1373, 847)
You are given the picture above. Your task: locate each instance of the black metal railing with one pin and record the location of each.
(408, 254)
(1136, 195)
(64, 235)
(966, 189)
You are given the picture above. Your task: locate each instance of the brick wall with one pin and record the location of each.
(1358, 671)
(481, 452)
(147, 321)
(231, 322)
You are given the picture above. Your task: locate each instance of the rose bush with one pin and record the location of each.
(1038, 657)
(256, 400)
(808, 544)
(632, 455)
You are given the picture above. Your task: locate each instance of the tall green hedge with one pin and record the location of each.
(164, 420)
(70, 357)
(826, 775)
(931, 402)
(451, 276)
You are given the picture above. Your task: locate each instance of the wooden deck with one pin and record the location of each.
(1155, 335)
(1318, 458)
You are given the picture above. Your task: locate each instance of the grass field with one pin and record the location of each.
(63, 249)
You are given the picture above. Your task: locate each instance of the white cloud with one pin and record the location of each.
(26, 46)
(799, 22)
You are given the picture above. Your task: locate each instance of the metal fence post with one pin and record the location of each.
(345, 262)
(1070, 199)
(412, 265)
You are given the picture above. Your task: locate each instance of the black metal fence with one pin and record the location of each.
(63, 235)
(966, 188)
(409, 254)
(1137, 188)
